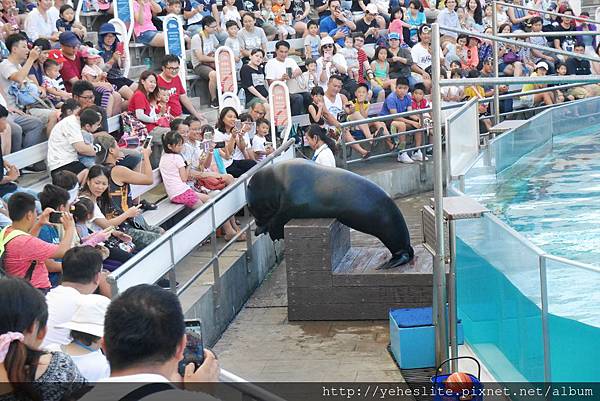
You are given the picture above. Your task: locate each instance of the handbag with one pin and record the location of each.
(210, 183)
(510, 57)
(132, 127)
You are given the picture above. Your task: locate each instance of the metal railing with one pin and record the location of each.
(540, 295)
(391, 117)
(246, 388)
(161, 256)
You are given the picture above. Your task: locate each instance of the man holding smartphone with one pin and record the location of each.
(284, 68)
(144, 341)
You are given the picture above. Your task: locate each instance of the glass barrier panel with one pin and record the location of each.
(498, 288)
(573, 321)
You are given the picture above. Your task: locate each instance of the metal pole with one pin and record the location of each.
(564, 33)
(496, 64)
(588, 20)
(521, 43)
(546, 79)
(439, 268)
(452, 301)
(545, 333)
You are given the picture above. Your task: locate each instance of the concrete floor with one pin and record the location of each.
(261, 345)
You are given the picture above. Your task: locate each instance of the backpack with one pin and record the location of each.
(4, 239)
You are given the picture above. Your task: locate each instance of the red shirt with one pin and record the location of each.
(140, 101)
(418, 105)
(71, 69)
(21, 251)
(362, 57)
(176, 89)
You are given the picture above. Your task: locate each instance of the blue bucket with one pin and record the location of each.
(443, 394)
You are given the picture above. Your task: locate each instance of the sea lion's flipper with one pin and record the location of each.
(261, 230)
(399, 259)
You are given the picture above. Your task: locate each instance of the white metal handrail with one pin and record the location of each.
(162, 255)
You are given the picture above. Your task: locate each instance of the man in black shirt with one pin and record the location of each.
(578, 66)
(370, 25)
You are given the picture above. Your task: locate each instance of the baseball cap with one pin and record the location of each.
(372, 9)
(68, 38)
(393, 35)
(56, 55)
(90, 52)
(89, 315)
(541, 64)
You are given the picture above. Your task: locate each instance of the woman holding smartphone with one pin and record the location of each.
(237, 143)
(113, 54)
(113, 192)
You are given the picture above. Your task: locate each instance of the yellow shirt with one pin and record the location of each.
(529, 87)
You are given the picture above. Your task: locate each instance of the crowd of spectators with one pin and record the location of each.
(356, 58)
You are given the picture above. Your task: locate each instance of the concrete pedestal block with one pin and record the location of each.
(328, 279)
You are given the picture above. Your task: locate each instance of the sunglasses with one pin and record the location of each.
(327, 46)
(425, 29)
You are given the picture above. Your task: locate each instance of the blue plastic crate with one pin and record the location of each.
(412, 337)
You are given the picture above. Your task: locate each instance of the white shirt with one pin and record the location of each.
(62, 303)
(275, 69)
(208, 45)
(93, 365)
(7, 69)
(421, 56)
(321, 63)
(60, 143)
(258, 144)
(37, 25)
(324, 156)
(222, 137)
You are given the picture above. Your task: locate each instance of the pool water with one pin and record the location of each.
(551, 196)
(554, 199)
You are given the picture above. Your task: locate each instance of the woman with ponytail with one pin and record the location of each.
(26, 373)
(322, 144)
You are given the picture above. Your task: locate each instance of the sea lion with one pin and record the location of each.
(303, 189)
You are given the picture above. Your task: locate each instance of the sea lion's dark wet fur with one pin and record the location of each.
(303, 189)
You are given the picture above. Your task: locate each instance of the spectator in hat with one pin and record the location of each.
(73, 66)
(370, 24)
(86, 331)
(39, 23)
(115, 61)
(400, 60)
(330, 63)
(547, 98)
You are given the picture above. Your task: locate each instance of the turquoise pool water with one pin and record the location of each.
(551, 196)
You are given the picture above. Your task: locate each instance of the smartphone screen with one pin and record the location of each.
(120, 47)
(55, 217)
(219, 145)
(288, 71)
(194, 348)
(238, 125)
(147, 141)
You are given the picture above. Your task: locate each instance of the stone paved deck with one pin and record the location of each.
(261, 345)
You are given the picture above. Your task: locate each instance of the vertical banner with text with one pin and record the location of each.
(227, 88)
(124, 12)
(280, 111)
(174, 42)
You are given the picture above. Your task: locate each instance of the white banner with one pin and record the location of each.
(227, 88)
(280, 110)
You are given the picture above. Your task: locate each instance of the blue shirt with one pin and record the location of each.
(49, 233)
(327, 25)
(393, 102)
